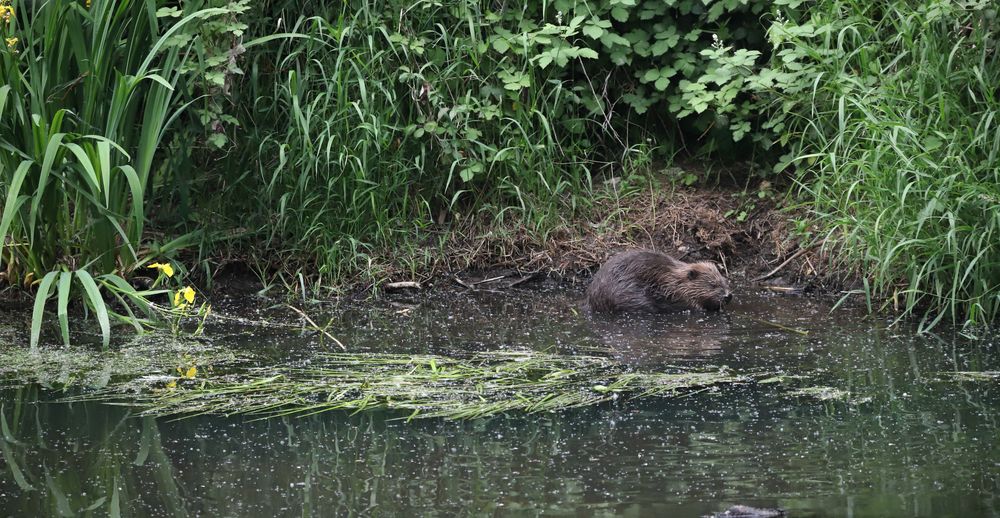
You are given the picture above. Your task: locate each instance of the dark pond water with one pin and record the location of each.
(909, 440)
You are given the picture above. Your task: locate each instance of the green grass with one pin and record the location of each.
(368, 131)
(898, 136)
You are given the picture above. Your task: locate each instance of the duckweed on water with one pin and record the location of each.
(423, 385)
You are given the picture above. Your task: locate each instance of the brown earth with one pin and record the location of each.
(690, 223)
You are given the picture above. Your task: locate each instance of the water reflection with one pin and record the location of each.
(918, 445)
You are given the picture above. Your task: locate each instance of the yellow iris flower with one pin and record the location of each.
(167, 269)
(187, 294)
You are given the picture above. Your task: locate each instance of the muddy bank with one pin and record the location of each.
(755, 241)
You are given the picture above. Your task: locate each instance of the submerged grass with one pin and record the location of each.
(481, 385)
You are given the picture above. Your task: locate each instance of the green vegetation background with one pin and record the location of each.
(308, 134)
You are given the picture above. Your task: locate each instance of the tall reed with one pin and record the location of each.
(898, 135)
(87, 95)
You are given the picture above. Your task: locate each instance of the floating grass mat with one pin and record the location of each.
(481, 385)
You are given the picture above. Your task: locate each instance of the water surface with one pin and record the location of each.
(906, 440)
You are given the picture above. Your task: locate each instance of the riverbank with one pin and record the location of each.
(752, 234)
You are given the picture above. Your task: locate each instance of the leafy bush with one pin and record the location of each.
(369, 120)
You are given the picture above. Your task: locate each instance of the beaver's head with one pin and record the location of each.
(704, 286)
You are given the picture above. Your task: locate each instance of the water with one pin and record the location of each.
(911, 441)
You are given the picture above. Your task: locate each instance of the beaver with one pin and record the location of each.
(641, 280)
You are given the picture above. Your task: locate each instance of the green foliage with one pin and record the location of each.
(326, 130)
(891, 111)
(663, 60)
(87, 95)
(369, 121)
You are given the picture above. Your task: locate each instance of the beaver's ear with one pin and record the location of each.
(692, 274)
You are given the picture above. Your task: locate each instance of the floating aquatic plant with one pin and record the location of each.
(423, 385)
(972, 375)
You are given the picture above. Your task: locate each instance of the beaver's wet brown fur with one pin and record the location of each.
(640, 280)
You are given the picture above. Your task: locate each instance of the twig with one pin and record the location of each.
(491, 279)
(784, 289)
(782, 265)
(464, 284)
(320, 329)
(522, 280)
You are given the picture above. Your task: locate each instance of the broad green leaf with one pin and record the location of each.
(52, 147)
(44, 288)
(138, 205)
(97, 303)
(88, 167)
(65, 278)
(14, 200)
(4, 92)
(593, 31)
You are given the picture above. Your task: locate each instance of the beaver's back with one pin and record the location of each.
(641, 280)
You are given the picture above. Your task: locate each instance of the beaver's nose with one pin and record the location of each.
(728, 298)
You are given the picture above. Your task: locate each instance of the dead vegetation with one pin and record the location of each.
(690, 224)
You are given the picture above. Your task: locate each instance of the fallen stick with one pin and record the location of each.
(402, 284)
(784, 289)
(491, 279)
(522, 280)
(782, 265)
